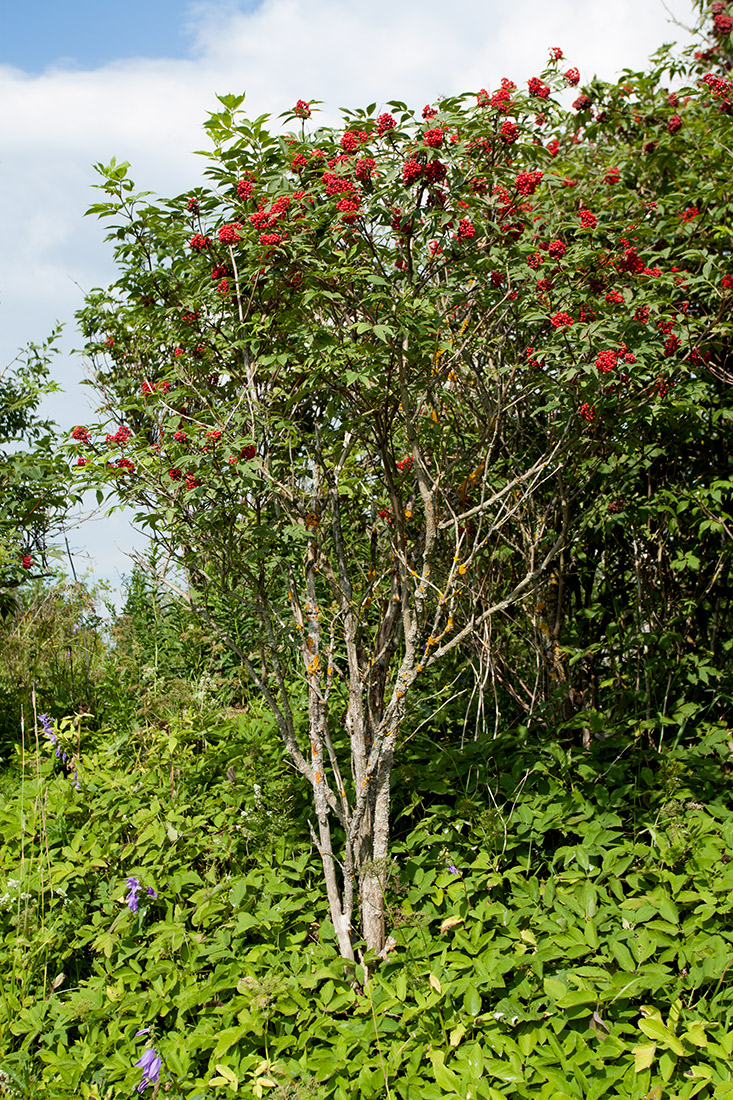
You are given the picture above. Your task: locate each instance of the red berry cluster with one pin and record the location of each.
(502, 100)
(557, 249)
(350, 206)
(411, 171)
(81, 434)
(153, 387)
(199, 242)
(434, 137)
(674, 124)
(302, 109)
(722, 25)
(120, 437)
(337, 185)
(435, 172)
(466, 229)
(228, 233)
(385, 122)
(245, 187)
(606, 361)
(572, 76)
(352, 139)
(537, 88)
(561, 320)
(364, 168)
(720, 87)
(528, 182)
(588, 220)
(509, 131)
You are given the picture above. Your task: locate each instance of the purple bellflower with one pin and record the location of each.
(150, 1064)
(133, 886)
(47, 727)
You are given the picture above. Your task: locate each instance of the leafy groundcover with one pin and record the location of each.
(561, 924)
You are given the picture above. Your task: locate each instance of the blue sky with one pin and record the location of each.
(87, 34)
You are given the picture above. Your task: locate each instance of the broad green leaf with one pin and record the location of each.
(644, 1055)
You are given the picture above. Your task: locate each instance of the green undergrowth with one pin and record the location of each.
(561, 924)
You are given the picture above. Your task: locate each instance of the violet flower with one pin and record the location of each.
(150, 1063)
(133, 885)
(453, 869)
(47, 727)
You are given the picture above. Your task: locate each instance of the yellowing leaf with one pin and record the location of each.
(457, 1034)
(451, 922)
(435, 983)
(229, 1075)
(644, 1055)
(656, 1030)
(695, 1033)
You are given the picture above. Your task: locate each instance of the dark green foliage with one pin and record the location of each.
(587, 924)
(53, 649)
(163, 659)
(34, 479)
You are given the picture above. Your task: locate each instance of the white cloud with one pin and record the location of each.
(53, 127)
